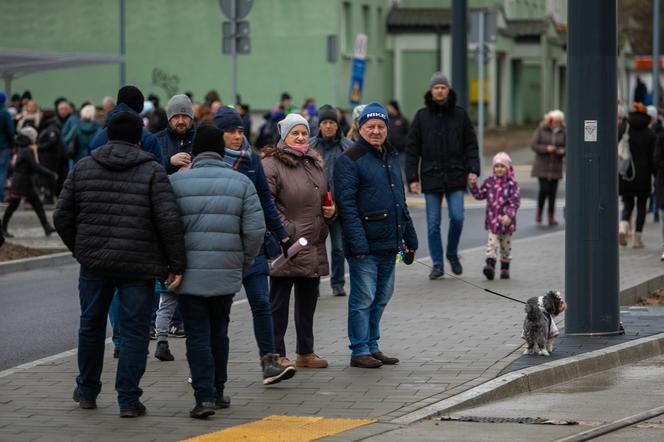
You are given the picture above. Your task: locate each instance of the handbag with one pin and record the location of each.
(625, 160)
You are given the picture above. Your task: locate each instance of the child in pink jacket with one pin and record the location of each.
(501, 192)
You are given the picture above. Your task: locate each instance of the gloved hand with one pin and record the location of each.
(408, 257)
(285, 245)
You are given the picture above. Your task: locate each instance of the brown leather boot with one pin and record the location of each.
(552, 220)
(365, 361)
(538, 217)
(310, 360)
(281, 360)
(386, 360)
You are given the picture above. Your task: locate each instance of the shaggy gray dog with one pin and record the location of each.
(539, 329)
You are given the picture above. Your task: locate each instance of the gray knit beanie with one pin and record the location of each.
(179, 105)
(288, 123)
(438, 78)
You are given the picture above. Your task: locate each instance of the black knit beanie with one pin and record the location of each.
(127, 127)
(327, 112)
(208, 139)
(132, 97)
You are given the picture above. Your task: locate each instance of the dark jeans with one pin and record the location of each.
(628, 208)
(433, 203)
(37, 206)
(113, 316)
(135, 300)
(258, 295)
(547, 191)
(338, 267)
(306, 296)
(206, 321)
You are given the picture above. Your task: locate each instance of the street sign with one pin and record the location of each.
(243, 43)
(242, 8)
(490, 29)
(357, 81)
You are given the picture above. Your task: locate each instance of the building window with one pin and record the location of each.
(347, 27)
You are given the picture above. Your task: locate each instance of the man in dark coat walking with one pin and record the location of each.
(331, 143)
(442, 160)
(117, 214)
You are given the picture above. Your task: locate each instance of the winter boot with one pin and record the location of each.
(623, 228)
(163, 353)
(636, 241)
(552, 220)
(538, 216)
(504, 270)
(273, 372)
(490, 269)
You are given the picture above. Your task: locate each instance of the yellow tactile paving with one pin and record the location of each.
(283, 429)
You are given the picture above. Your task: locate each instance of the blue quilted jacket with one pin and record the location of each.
(371, 201)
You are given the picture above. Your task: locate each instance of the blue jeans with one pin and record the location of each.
(206, 321)
(5, 158)
(113, 316)
(433, 203)
(337, 279)
(371, 287)
(134, 303)
(258, 295)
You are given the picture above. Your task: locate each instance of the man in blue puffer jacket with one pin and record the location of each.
(223, 230)
(130, 99)
(240, 156)
(376, 226)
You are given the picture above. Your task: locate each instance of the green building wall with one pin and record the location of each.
(175, 46)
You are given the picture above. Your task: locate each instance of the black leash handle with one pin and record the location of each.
(473, 285)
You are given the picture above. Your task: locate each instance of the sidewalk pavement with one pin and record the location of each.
(449, 336)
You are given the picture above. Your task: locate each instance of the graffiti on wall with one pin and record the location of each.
(169, 83)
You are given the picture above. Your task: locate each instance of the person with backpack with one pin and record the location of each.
(51, 151)
(635, 184)
(79, 138)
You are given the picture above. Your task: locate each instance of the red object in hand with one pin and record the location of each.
(328, 199)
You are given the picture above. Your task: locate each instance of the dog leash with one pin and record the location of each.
(471, 284)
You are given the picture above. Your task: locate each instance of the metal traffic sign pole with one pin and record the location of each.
(235, 34)
(480, 89)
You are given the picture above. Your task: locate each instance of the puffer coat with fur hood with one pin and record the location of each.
(298, 185)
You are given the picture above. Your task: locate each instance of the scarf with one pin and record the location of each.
(302, 148)
(234, 158)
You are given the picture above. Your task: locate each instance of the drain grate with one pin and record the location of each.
(508, 420)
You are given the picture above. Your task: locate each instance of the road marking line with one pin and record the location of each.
(271, 428)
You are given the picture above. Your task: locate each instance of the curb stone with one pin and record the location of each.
(36, 262)
(541, 376)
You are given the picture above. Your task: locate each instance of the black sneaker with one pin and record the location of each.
(457, 269)
(48, 230)
(153, 333)
(436, 272)
(202, 410)
(116, 352)
(222, 402)
(163, 353)
(134, 410)
(83, 402)
(338, 292)
(176, 331)
(273, 372)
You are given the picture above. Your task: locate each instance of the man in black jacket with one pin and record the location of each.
(176, 139)
(442, 159)
(118, 216)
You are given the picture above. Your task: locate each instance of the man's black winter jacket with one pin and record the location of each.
(117, 214)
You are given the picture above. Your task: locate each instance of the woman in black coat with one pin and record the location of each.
(26, 170)
(641, 146)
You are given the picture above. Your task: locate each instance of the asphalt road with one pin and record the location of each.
(40, 312)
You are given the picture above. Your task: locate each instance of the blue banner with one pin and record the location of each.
(357, 81)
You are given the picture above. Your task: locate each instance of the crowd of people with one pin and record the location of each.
(171, 211)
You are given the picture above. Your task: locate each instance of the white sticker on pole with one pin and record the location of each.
(590, 131)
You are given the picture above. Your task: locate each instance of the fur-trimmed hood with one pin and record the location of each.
(292, 157)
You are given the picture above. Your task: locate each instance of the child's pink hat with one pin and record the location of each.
(502, 158)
